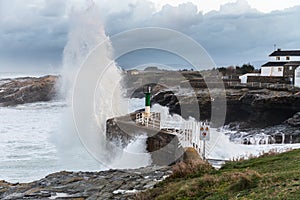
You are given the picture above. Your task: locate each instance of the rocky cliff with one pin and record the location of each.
(27, 90)
(258, 108)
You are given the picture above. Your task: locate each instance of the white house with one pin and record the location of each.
(273, 69)
(282, 63)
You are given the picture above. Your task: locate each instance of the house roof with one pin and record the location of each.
(285, 53)
(274, 64)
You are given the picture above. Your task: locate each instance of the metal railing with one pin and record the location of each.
(279, 86)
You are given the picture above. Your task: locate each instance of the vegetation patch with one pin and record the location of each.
(270, 176)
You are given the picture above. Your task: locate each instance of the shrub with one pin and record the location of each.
(191, 167)
(243, 180)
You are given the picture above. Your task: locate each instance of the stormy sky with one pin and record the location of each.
(33, 33)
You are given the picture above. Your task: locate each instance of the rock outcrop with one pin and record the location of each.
(295, 120)
(259, 108)
(112, 184)
(27, 90)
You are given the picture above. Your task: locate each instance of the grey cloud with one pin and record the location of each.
(32, 32)
(235, 34)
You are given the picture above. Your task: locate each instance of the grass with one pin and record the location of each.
(271, 176)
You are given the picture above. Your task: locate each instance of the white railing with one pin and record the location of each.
(189, 136)
(188, 133)
(151, 121)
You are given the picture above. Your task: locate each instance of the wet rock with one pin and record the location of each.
(278, 134)
(111, 184)
(295, 120)
(27, 90)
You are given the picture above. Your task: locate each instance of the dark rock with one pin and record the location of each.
(295, 120)
(112, 184)
(255, 108)
(27, 90)
(164, 148)
(139, 92)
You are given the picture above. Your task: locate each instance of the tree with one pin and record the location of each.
(222, 70)
(151, 68)
(246, 68)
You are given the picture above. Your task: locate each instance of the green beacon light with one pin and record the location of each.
(147, 101)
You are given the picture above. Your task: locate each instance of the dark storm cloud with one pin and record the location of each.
(35, 31)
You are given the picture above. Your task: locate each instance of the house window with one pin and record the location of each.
(279, 69)
(287, 58)
(291, 67)
(277, 58)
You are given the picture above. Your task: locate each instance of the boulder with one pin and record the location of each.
(190, 154)
(295, 120)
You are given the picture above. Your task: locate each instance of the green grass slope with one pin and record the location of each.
(271, 176)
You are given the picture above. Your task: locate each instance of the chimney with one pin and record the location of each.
(278, 49)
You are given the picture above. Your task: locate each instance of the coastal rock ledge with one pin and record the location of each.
(27, 90)
(111, 184)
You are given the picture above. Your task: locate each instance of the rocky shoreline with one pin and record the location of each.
(111, 184)
(259, 116)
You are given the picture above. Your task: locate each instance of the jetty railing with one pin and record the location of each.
(190, 134)
(151, 121)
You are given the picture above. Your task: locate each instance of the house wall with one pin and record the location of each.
(289, 73)
(297, 77)
(272, 71)
(266, 79)
(245, 77)
(283, 58)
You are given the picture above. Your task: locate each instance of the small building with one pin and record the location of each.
(282, 63)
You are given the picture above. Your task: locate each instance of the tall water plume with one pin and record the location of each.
(85, 36)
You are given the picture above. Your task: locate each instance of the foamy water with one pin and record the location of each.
(26, 150)
(9, 75)
(33, 144)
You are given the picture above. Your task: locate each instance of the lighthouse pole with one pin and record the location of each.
(147, 101)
